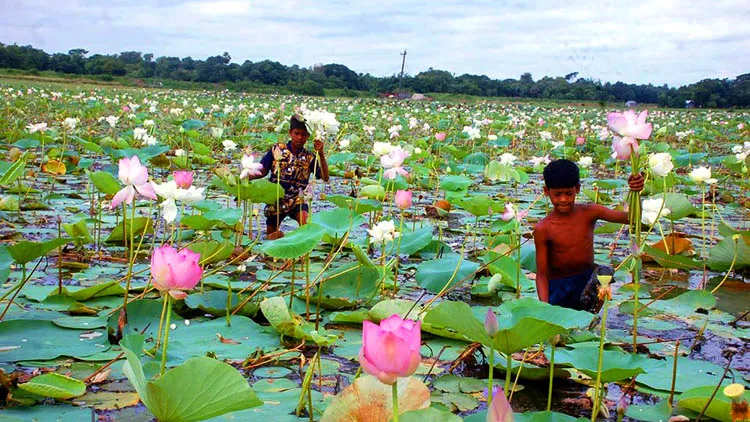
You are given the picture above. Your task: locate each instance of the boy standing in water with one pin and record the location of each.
(565, 238)
(290, 165)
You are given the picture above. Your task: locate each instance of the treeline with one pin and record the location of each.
(720, 93)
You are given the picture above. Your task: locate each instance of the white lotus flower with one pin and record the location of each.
(472, 131)
(112, 120)
(585, 162)
(216, 132)
(381, 148)
(172, 193)
(700, 174)
(507, 158)
(537, 161)
(70, 123)
(344, 143)
(557, 144)
(322, 122)
(148, 122)
(652, 209)
(383, 232)
(660, 163)
(139, 133)
(229, 145)
(36, 127)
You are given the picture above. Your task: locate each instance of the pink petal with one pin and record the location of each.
(617, 122)
(147, 190)
(178, 294)
(125, 194)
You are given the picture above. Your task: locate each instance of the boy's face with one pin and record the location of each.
(562, 199)
(299, 137)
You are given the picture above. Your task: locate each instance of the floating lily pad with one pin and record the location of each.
(438, 274)
(616, 365)
(39, 340)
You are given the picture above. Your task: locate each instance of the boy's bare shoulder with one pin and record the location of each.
(541, 225)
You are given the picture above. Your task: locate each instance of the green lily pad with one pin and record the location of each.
(438, 274)
(690, 374)
(40, 340)
(695, 399)
(349, 286)
(221, 388)
(337, 222)
(56, 413)
(289, 324)
(722, 255)
(214, 302)
(522, 323)
(616, 365)
(455, 401)
(55, 386)
(296, 243)
(412, 242)
(658, 412)
(24, 252)
(212, 251)
(454, 384)
(359, 205)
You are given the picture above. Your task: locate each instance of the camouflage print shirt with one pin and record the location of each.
(292, 171)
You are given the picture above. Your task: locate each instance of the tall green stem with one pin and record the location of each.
(508, 365)
(551, 378)
(166, 334)
(598, 392)
(394, 396)
(490, 374)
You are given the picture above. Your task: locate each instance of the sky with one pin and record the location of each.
(659, 41)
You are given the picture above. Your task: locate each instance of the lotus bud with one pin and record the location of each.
(490, 323)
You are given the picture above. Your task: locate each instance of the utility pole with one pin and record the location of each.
(401, 76)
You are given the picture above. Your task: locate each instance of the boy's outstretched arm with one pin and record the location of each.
(636, 183)
(542, 257)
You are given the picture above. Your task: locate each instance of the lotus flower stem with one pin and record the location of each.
(509, 362)
(398, 251)
(161, 323)
(129, 248)
(394, 396)
(294, 273)
(736, 239)
(598, 385)
(307, 287)
(489, 375)
(551, 378)
(229, 301)
(166, 334)
(674, 372)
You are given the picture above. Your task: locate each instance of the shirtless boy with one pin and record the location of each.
(565, 238)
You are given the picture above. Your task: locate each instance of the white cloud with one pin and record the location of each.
(661, 41)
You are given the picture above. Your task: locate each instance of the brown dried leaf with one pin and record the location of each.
(54, 167)
(226, 340)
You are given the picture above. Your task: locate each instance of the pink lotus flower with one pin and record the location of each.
(135, 177)
(623, 147)
(580, 140)
(393, 162)
(540, 122)
(174, 271)
(403, 199)
(500, 410)
(440, 136)
(183, 179)
(391, 350)
(630, 128)
(510, 213)
(628, 125)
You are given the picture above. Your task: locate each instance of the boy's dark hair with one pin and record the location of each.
(561, 174)
(297, 122)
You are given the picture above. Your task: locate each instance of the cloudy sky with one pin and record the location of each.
(657, 41)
